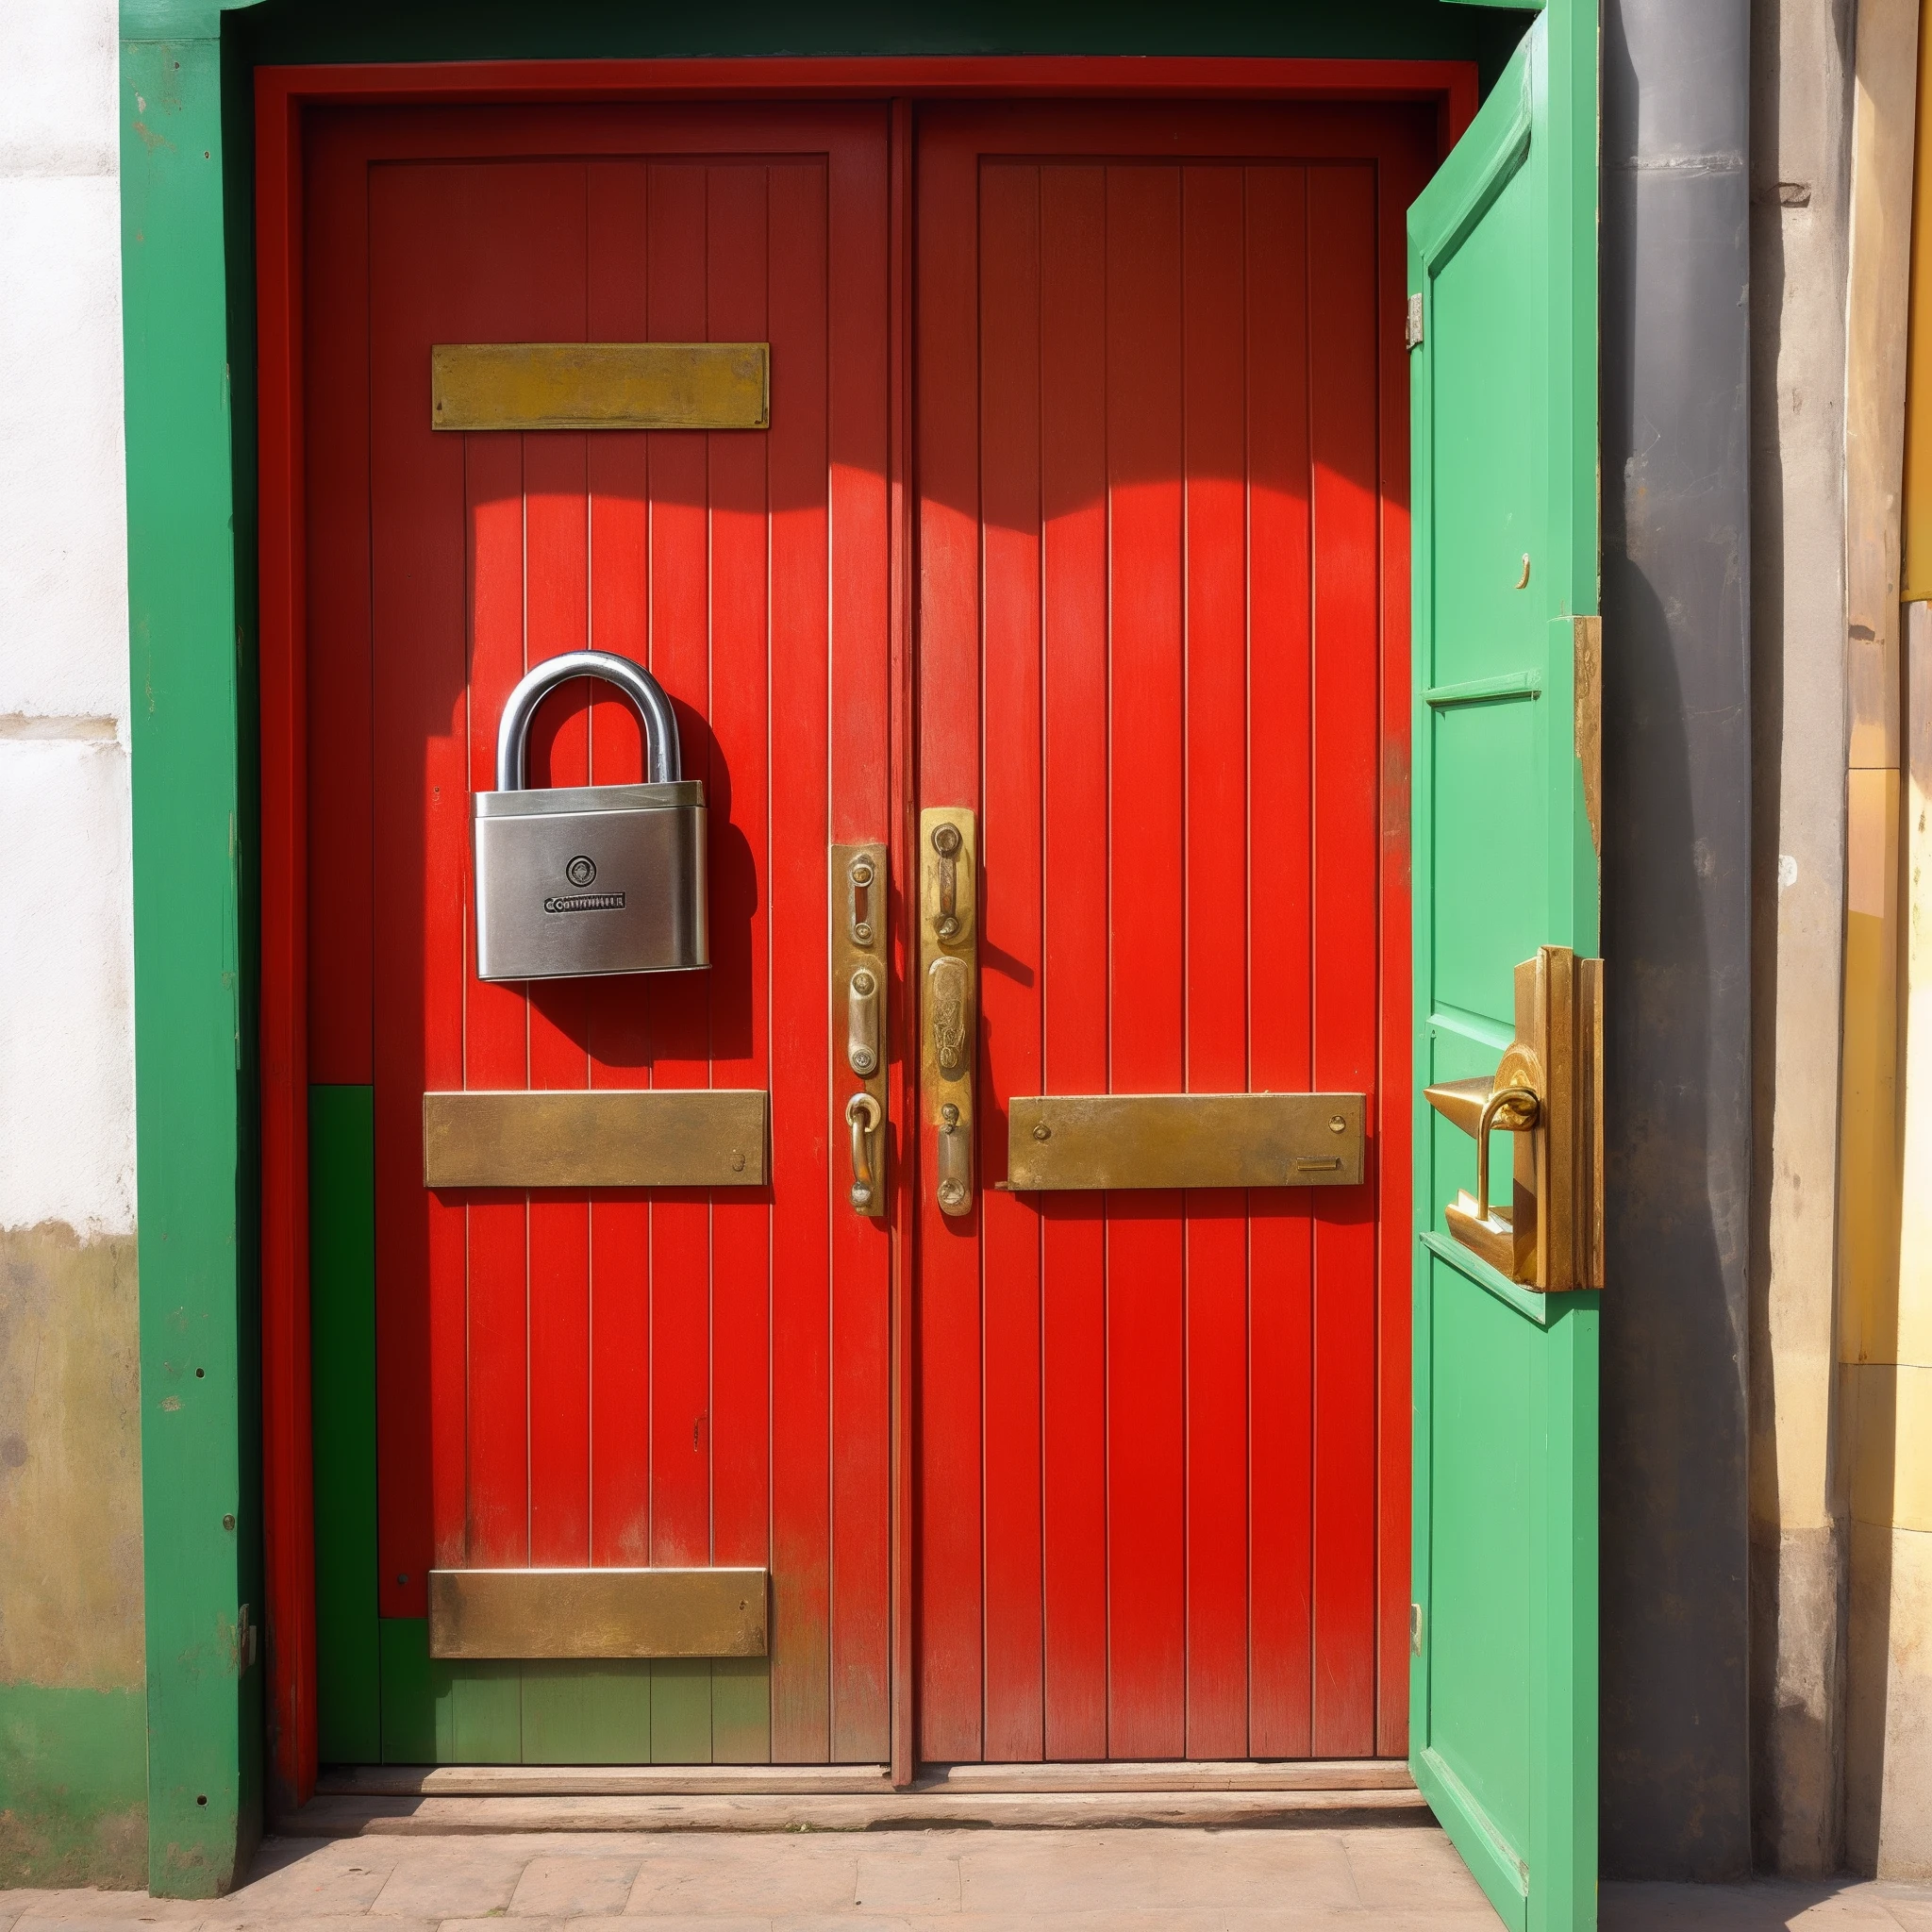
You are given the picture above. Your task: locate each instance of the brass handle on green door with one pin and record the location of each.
(1548, 1092)
(1513, 1109)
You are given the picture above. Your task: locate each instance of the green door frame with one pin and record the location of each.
(187, 275)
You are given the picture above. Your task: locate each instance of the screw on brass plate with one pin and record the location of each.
(737, 1161)
(945, 840)
(1042, 1132)
(949, 1116)
(951, 1193)
(860, 874)
(1336, 1124)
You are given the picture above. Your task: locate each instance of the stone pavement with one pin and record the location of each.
(1402, 1877)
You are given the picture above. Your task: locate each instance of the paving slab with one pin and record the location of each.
(1389, 1877)
(563, 1886)
(467, 1878)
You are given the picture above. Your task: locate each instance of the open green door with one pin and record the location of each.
(1502, 266)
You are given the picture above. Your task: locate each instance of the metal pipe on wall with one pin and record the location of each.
(1676, 927)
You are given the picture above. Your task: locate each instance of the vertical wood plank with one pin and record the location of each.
(342, 1277)
(801, 1071)
(574, 1712)
(618, 1017)
(336, 588)
(556, 540)
(859, 808)
(951, 1660)
(493, 1340)
(1075, 997)
(1215, 912)
(1145, 1339)
(1342, 389)
(739, 803)
(1280, 995)
(681, 1710)
(680, 1005)
(417, 574)
(1398, 183)
(1010, 914)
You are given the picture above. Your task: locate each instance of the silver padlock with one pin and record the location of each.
(583, 879)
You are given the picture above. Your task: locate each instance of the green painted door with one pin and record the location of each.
(1502, 253)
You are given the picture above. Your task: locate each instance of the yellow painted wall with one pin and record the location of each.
(1885, 1189)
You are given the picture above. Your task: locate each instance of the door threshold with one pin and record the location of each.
(820, 1780)
(506, 1798)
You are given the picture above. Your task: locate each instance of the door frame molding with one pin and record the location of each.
(282, 95)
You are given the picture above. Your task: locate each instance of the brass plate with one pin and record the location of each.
(662, 1137)
(948, 999)
(1057, 1141)
(600, 386)
(605, 1613)
(1587, 641)
(860, 929)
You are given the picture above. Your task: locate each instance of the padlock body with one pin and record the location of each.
(585, 879)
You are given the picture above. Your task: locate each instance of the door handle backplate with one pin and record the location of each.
(949, 996)
(861, 1038)
(1547, 1094)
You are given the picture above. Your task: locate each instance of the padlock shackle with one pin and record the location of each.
(663, 760)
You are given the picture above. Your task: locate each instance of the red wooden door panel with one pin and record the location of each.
(1162, 654)
(611, 1378)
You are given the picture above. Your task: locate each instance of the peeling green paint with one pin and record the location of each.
(72, 1787)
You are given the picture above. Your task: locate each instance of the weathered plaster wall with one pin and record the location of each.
(73, 1751)
(1800, 220)
(1884, 1430)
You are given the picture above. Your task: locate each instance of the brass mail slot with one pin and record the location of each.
(600, 386)
(658, 1137)
(1057, 1141)
(607, 1613)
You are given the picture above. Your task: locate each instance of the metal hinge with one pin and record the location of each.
(1415, 1629)
(1412, 328)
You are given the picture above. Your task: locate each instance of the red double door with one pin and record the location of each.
(1124, 440)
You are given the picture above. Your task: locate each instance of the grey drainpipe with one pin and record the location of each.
(1678, 922)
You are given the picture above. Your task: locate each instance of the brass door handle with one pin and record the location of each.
(862, 1022)
(858, 1007)
(863, 1116)
(949, 979)
(1547, 1091)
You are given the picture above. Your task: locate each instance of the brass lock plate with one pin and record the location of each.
(949, 997)
(659, 1137)
(1068, 1140)
(861, 1039)
(597, 1613)
(600, 386)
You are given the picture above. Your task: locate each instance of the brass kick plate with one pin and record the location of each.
(597, 1613)
(1058, 1141)
(600, 386)
(658, 1137)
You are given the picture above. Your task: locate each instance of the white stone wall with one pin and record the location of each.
(70, 1387)
(66, 948)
